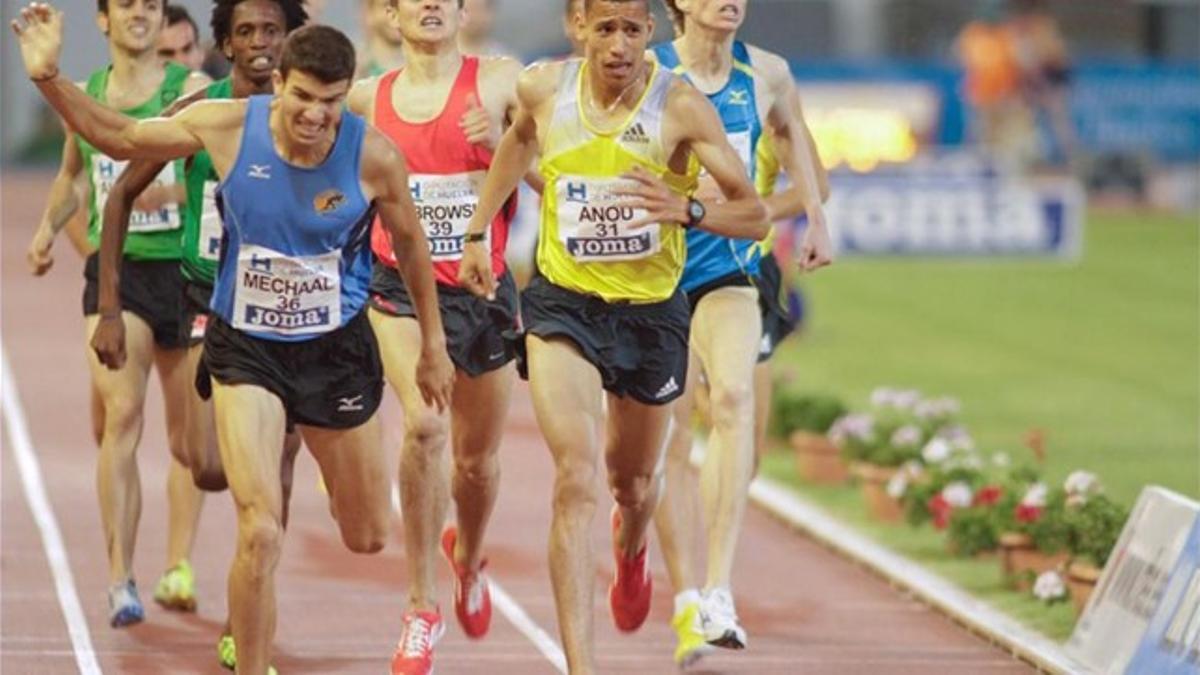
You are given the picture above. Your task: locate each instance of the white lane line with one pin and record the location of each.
(513, 611)
(43, 514)
(545, 644)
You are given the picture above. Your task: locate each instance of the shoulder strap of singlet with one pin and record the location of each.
(97, 82)
(741, 58)
(385, 114)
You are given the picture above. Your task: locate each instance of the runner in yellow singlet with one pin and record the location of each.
(615, 134)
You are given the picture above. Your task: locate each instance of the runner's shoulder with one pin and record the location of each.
(362, 95)
(539, 82)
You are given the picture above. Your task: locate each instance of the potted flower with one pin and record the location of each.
(971, 530)
(806, 420)
(1095, 523)
(1018, 512)
(948, 458)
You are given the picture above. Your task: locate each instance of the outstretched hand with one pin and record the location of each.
(40, 34)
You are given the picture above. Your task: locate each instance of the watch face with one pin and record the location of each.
(695, 210)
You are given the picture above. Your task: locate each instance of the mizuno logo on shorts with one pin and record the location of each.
(350, 404)
(667, 389)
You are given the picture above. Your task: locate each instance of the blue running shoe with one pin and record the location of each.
(124, 607)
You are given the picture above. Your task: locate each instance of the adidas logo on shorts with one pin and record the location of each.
(667, 389)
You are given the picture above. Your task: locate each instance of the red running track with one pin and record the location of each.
(806, 609)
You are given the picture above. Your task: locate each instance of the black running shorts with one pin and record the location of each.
(150, 289)
(197, 300)
(641, 350)
(334, 381)
(777, 323)
(479, 334)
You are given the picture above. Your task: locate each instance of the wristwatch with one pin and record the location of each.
(474, 237)
(695, 213)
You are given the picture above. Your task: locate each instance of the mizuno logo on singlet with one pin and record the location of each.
(636, 133)
(739, 97)
(260, 171)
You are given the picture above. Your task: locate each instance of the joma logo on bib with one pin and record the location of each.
(263, 317)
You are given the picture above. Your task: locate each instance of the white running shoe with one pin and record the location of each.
(720, 620)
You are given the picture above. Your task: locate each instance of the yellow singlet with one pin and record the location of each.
(584, 244)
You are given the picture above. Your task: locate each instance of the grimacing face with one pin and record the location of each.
(132, 25)
(309, 108)
(427, 21)
(616, 35)
(256, 34)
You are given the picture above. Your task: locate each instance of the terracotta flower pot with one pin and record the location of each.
(873, 480)
(1023, 562)
(818, 460)
(1081, 580)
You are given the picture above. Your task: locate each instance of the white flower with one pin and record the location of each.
(1082, 483)
(935, 408)
(1001, 460)
(958, 494)
(905, 399)
(1049, 586)
(897, 485)
(1035, 495)
(906, 436)
(936, 451)
(882, 397)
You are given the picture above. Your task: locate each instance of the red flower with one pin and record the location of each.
(940, 509)
(1028, 514)
(988, 495)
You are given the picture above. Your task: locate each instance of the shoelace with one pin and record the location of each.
(416, 637)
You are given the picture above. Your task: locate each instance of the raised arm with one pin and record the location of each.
(385, 177)
(517, 150)
(61, 205)
(39, 32)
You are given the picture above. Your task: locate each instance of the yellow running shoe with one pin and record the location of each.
(690, 633)
(176, 589)
(227, 655)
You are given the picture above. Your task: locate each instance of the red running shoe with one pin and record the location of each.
(629, 594)
(472, 597)
(414, 653)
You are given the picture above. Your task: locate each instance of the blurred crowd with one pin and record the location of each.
(1017, 72)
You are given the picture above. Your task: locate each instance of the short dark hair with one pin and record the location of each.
(102, 6)
(294, 16)
(588, 3)
(179, 14)
(321, 51)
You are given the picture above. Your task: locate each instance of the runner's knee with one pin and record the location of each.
(631, 489)
(476, 468)
(368, 535)
(121, 414)
(427, 430)
(260, 538)
(574, 485)
(732, 403)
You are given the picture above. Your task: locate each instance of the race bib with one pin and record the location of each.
(287, 295)
(742, 142)
(593, 225)
(210, 224)
(445, 204)
(106, 171)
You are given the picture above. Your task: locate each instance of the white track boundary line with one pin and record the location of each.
(976, 615)
(515, 614)
(43, 515)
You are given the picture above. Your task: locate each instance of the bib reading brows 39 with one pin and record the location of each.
(106, 171)
(445, 204)
(593, 223)
(288, 295)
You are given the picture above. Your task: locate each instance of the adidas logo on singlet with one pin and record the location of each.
(636, 133)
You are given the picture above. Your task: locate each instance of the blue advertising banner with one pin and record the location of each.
(1171, 644)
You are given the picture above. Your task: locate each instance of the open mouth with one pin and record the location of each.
(261, 62)
(729, 11)
(139, 30)
(432, 22)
